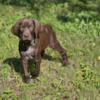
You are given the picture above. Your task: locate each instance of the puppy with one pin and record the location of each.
(34, 38)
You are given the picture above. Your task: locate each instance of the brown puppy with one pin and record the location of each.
(34, 38)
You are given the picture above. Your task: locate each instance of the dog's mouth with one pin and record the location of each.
(27, 41)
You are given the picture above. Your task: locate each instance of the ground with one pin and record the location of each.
(80, 80)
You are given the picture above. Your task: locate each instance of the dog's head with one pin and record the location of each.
(26, 29)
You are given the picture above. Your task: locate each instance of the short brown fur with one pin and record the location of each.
(34, 39)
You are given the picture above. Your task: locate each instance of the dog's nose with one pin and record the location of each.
(25, 35)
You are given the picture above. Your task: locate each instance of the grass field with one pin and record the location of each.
(80, 80)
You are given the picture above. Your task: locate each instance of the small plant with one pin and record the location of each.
(87, 73)
(86, 76)
(8, 95)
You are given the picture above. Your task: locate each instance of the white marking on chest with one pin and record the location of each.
(29, 53)
(30, 50)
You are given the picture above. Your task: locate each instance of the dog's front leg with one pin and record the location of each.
(37, 65)
(26, 76)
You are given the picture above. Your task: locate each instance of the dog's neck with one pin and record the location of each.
(24, 45)
(34, 42)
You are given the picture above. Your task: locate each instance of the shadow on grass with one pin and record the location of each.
(50, 58)
(15, 63)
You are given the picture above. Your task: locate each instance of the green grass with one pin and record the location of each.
(80, 80)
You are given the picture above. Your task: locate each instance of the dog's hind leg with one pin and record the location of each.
(54, 44)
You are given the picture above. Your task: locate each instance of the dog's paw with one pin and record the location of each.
(27, 79)
(65, 62)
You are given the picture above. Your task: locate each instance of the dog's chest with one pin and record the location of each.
(29, 53)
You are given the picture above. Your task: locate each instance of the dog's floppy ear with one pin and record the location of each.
(36, 28)
(15, 29)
